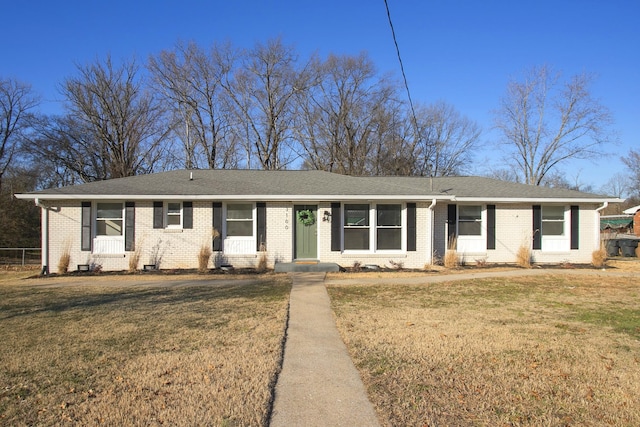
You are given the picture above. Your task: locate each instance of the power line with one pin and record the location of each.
(404, 76)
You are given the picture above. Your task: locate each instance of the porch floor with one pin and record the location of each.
(305, 267)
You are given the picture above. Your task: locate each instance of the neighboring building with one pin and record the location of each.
(616, 224)
(311, 215)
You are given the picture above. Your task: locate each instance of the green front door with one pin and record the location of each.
(306, 231)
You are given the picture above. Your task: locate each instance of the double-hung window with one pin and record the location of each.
(109, 231)
(469, 220)
(389, 227)
(240, 220)
(239, 229)
(471, 232)
(553, 220)
(373, 228)
(356, 227)
(109, 219)
(174, 215)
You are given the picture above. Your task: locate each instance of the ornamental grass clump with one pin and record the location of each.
(523, 256)
(263, 260)
(451, 259)
(203, 258)
(599, 257)
(134, 259)
(65, 259)
(63, 262)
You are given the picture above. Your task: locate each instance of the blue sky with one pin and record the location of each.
(462, 52)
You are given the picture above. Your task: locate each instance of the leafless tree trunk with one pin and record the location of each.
(545, 122)
(16, 103)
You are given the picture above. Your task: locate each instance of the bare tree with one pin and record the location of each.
(347, 116)
(190, 80)
(545, 122)
(263, 91)
(632, 161)
(618, 185)
(446, 141)
(113, 127)
(16, 105)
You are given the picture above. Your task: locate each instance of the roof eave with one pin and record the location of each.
(270, 197)
(539, 199)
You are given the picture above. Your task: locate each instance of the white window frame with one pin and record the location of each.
(472, 243)
(402, 227)
(167, 215)
(108, 244)
(346, 227)
(373, 228)
(556, 242)
(239, 245)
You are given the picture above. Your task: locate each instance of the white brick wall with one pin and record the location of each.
(514, 224)
(180, 248)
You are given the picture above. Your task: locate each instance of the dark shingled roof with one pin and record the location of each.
(301, 184)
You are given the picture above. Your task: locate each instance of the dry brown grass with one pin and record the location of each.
(122, 355)
(203, 258)
(599, 257)
(65, 259)
(451, 259)
(523, 256)
(134, 258)
(549, 350)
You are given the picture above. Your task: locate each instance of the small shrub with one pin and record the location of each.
(396, 265)
(357, 266)
(203, 258)
(566, 264)
(523, 256)
(599, 257)
(481, 262)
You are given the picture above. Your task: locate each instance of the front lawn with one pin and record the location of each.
(547, 350)
(94, 354)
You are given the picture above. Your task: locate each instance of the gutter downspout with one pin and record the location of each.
(431, 230)
(597, 233)
(45, 238)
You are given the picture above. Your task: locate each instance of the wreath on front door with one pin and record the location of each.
(306, 217)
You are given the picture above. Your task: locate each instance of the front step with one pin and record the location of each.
(305, 267)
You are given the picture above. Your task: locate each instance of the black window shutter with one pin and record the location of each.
(452, 216)
(158, 216)
(187, 214)
(129, 226)
(261, 225)
(537, 227)
(575, 227)
(335, 227)
(85, 234)
(411, 226)
(491, 226)
(217, 225)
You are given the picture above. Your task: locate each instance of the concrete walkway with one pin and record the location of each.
(318, 385)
